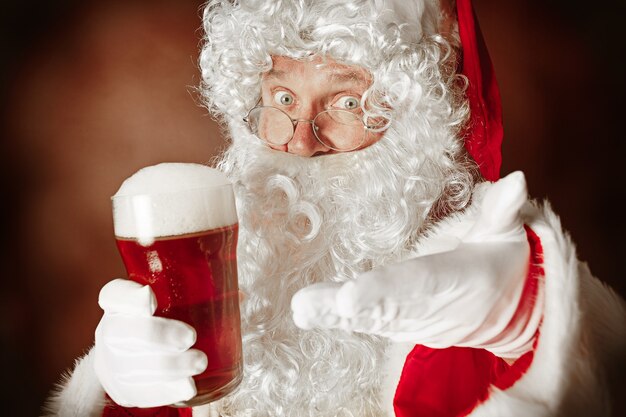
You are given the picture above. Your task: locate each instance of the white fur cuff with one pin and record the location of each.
(78, 394)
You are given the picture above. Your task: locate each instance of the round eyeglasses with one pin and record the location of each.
(339, 130)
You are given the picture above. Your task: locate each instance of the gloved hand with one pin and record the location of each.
(142, 360)
(466, 296)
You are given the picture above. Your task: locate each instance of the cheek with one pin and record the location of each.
(280, 148)
(266, 98)
(372, 138)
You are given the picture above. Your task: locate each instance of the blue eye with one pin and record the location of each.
(283, 98)
(348, 103)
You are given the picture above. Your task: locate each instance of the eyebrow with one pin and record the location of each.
(348, 75)
(276, 74)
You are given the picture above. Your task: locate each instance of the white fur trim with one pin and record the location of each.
(582, 336)
(78, 394)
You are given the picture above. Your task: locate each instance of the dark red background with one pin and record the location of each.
(92, 91)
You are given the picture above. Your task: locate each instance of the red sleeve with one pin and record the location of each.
(507, 378)
(452, 382)
(114, 410)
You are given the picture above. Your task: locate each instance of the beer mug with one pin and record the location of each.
(176, 230)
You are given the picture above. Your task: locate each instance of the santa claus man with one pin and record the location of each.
(387, 270)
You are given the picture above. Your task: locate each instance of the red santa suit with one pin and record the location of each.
(565, 373)
(581, 337)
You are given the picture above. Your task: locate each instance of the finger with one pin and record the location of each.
(315, 305)
(347, 300)
(146, 368)
(139, 333)
(507, 195)
(419, 333)
(335, 306)
(129, 297)
(323, 321)
(375, 293)
(405, 337)
(361, 324)
(500, 208)
(154, 394)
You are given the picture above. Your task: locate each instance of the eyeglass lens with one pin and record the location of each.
(337, 129)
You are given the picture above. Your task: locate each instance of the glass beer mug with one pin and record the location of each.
(176, 230)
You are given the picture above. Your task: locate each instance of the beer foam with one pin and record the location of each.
(172, 199)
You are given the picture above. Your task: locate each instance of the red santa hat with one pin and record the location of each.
(231, 84)
(484, 132)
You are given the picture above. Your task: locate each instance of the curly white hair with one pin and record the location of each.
(306, 220)
(411, 64)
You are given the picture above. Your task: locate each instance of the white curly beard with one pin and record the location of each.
(306, 220)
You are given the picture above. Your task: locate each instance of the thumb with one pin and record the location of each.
(500, 210)
(315, 305)
(128, 297)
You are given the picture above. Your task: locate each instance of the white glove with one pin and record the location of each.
(142, 360)
(466, 296)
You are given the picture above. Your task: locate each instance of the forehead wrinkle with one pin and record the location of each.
(349, 77)
(333, 73)
(343, 73)
(274, 74)
(291, 71)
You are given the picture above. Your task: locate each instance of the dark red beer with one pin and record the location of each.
(194, 278)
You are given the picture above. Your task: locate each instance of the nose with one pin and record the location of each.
(304, 142)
